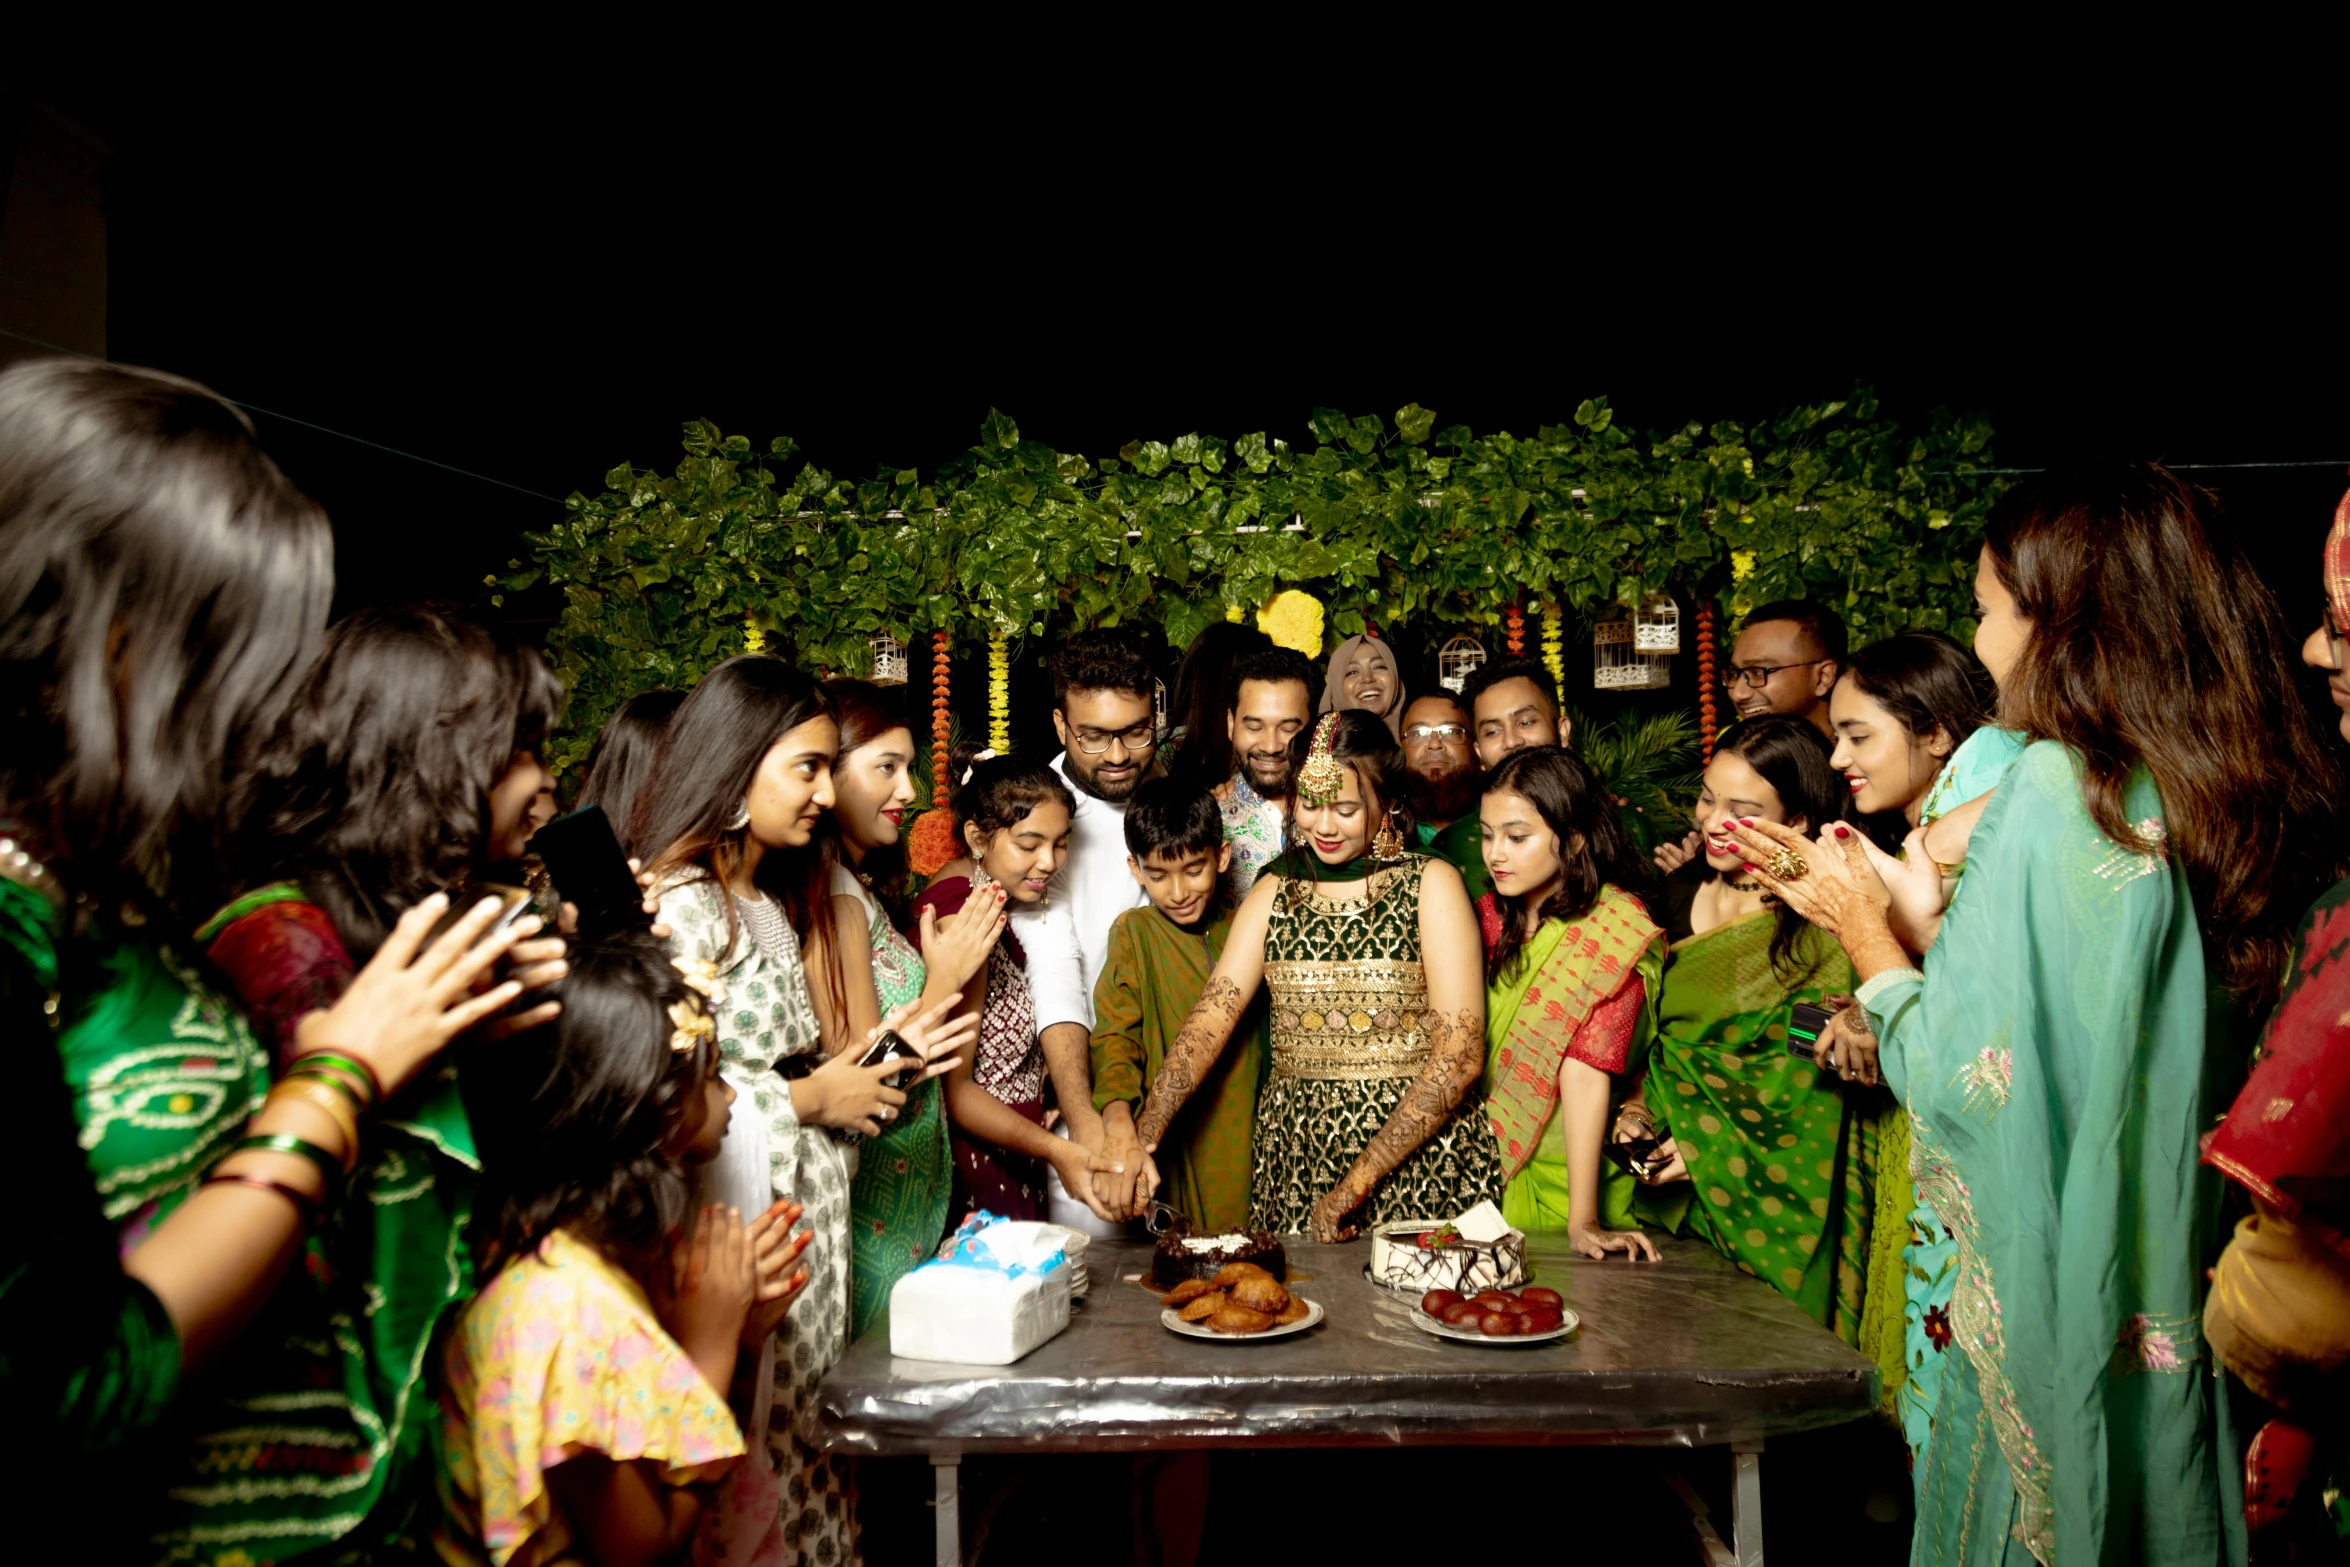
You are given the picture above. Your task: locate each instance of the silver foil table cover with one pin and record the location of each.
(1683, 1352)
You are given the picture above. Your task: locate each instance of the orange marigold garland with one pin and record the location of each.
(930, 842)
(1708, 687)
(1514, 630)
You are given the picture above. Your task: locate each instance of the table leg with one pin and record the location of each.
(1746, 1529)
(946, 1475)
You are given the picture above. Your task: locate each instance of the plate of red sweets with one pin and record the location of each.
(1496, 1317)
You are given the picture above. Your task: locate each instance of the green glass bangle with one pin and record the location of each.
(360, 1073)
(332, 1079)
(285, 1142)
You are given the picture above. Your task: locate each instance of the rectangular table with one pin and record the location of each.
(1686, 1352)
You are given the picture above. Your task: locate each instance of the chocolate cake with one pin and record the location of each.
(1182, 1256)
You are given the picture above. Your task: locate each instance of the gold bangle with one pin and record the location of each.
(310, 1091)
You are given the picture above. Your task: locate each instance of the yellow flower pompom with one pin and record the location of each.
(1293, 620)
(1235, 614)
(1741, 565)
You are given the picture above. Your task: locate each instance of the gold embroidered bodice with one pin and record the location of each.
(1349, 993)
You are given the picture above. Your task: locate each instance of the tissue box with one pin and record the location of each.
(997, 1290)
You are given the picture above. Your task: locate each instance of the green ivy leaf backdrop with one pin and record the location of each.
(1392, 522)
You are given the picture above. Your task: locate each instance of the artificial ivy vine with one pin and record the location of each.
(664, 576)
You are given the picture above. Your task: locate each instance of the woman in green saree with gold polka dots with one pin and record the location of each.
(1782, 1164)
(1781, 1157)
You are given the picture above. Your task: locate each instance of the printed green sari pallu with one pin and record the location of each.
(1565, 970)
(1782, 1165)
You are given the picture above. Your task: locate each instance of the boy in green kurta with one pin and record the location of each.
(1159, 961)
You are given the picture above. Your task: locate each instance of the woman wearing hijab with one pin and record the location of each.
(1363, 674)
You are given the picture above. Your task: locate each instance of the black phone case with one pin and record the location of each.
(891, 1046)
(1805, 1024)
(589, 871)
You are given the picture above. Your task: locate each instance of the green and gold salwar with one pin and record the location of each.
(1349, 1035)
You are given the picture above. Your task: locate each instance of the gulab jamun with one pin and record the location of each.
(1435, 1301)
(1542, 1297)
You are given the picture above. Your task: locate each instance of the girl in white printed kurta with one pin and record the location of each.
(745, 780)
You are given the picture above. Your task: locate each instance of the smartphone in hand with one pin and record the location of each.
(892, 1046)
(1805, 1024)
(590, 871)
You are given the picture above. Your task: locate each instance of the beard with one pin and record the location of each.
(1272, 785)
(1446, 797)
(1090, 781)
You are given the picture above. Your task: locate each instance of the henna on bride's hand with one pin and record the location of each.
(1195, 1049)
(1455, 1053)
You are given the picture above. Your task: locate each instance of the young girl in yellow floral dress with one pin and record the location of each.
(592, 1388)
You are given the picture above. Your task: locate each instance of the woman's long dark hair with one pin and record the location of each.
(571, 1116)
(162, 585)
(1926, 680)
(1360, 741)
(721, 733)
(1205, 685)
(373, 789)
(621, 763)
(1570, 800)
(1792, 757)
(2154, 644)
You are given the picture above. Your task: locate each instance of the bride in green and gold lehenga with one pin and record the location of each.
(1372, 957)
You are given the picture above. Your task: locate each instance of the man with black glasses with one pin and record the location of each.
(1786, 660)
(1102, 711)
(1441, 784)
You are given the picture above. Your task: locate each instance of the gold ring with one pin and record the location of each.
(1787, 865)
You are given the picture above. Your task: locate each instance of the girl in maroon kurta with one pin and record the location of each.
(1013, 817)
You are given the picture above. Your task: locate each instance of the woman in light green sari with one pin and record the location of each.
(1779, 1159)
(2069, 1039)
(1573, 964)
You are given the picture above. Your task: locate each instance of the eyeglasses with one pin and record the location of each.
(1759, 675)
(1427, 732)
(1140, 738)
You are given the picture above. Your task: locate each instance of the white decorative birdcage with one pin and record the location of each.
(1616, 665)
(1656, 625)
(889, 659)
(1456, 661)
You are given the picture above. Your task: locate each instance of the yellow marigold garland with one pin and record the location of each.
(1553, 659)
(999, 693)
(754, 640)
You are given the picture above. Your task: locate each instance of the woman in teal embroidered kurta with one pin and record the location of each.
(2056, 1061)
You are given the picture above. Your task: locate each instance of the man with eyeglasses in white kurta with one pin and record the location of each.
(1103, 714)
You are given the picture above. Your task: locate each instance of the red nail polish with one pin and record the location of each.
(1842, 831)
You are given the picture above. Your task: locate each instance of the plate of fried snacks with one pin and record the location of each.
(1241, 1301)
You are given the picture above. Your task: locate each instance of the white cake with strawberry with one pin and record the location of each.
(1476, 1251)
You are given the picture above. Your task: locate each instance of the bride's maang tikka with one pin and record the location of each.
(1321, 780)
